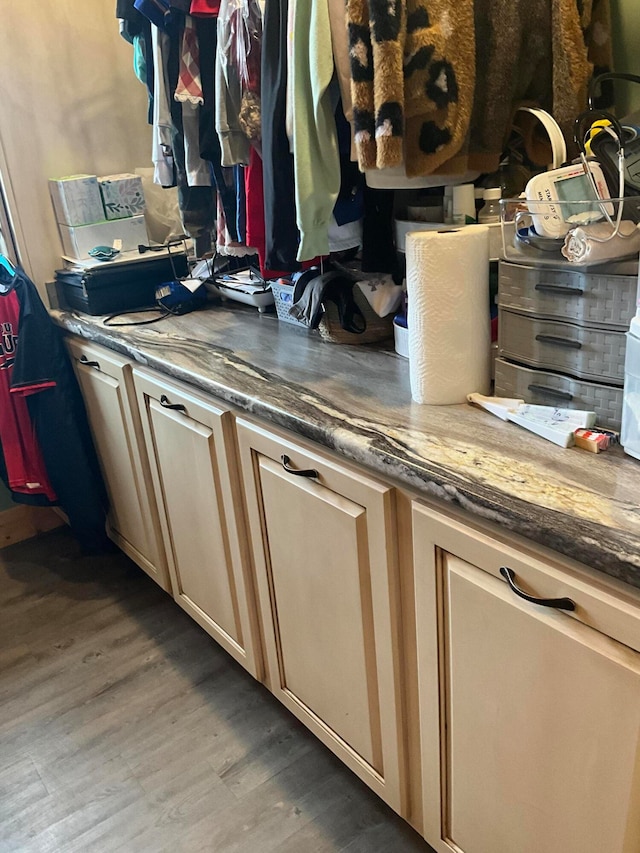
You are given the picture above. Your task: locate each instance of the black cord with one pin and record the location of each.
(609, 75)
(593, 114)
(165, 313)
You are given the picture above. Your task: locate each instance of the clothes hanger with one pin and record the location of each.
(6, 266)
(6, 263)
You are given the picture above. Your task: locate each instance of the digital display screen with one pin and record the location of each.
(575, 189)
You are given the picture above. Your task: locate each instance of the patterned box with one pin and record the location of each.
(76, 241)
(122, 195)
(76, 199)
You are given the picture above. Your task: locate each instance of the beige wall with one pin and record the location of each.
(69, 102)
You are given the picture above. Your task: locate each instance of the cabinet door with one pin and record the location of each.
(105, 381)
(531, 732)
(325, 558)
(190, 443)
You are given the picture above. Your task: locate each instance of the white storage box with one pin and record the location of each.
(630, 437)
(76, 199)
(77, 241)
(122, 195)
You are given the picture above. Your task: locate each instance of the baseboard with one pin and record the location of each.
(24, 522)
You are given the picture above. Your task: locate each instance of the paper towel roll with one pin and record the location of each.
(448, 314)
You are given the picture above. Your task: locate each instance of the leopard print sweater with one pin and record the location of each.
(412, 73)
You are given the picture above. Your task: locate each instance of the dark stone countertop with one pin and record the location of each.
(357, 401)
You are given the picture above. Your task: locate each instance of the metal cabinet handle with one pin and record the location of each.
(561, 342)
(164, 402)
(299, 472)
(552, 392)
(559, 289)
(558, 603)
(85, 360)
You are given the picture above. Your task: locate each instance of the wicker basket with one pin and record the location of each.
(377, 328)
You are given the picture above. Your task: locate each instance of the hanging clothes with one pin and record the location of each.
(413, 76)
(513, 63)
(207, 29)
(136, 28)
(26, 473)
(340, 46)
(162, 143)
(157, 11)
(37, 371)
(233, 141)
(198, 171)
(189, 93)
(189, 88)
(281, 231)
(205, 8)
(315, 145)
(254, 192)
(197, 202)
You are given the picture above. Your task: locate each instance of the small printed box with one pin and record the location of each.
(76, 199)
(77, 240)
(122, 195)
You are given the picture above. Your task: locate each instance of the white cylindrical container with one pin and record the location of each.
(447, 205)
(401, 339)
(448, 314)
(464, 204)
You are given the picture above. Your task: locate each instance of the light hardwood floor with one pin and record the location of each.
(124, 727)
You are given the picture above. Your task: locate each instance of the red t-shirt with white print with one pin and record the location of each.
(25, 466)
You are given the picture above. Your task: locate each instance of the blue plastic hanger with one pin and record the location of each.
(7, 274)
(6, 263)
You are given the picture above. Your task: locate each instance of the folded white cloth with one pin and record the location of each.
(382, 294)
(580, 247)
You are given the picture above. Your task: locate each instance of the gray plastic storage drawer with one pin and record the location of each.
(596, 354)
(590, 299)
(552, 389)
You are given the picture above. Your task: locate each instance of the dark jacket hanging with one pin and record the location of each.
(41, 372)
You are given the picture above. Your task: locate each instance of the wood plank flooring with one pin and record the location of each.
(124, 727)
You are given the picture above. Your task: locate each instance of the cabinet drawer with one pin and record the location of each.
(593, 354)
(553, 389)
(590, 299)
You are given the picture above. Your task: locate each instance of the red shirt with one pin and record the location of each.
(205, 8)
(25, 467)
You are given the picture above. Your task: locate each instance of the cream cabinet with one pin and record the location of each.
(529, 712)
(324, 552)
(191, 449)
(487, 690)
(107, 389)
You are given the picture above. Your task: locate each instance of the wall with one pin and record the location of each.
(625, 19)
(70, 103)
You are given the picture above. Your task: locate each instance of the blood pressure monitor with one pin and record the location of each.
(561, 195)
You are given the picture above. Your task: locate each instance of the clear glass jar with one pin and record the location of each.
(490, 211)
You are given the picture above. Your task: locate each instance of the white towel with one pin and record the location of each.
(580, 247)
(381, 292)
